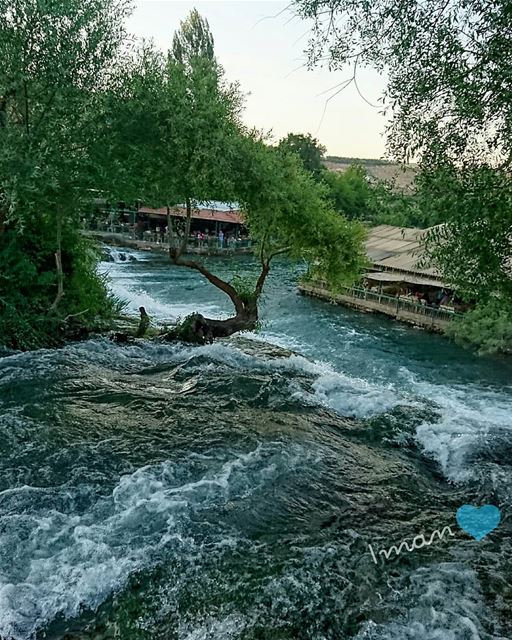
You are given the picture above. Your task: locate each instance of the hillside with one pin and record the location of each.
(401, 175)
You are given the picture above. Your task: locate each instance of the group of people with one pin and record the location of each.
(202, 239)
(434, 298)
(199, 239)
(429, 297)
(220, 240)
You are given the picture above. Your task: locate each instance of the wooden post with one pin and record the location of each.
(169, 234)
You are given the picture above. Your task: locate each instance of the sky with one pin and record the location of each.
(261, 45)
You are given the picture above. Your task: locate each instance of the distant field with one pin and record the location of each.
(402, 176)
(365, 161)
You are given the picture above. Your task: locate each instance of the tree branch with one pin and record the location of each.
(215, 280)
(262, 248)
(265, 265)
(278, 252)
(262, 277)
(170, 234)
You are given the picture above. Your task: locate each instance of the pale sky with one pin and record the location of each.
(264, 51)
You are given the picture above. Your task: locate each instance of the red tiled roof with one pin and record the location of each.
(234, 217)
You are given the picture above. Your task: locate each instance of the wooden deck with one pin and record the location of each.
(401, 309)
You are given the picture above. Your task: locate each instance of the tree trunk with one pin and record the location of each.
(169, 230)
(211, 328)
(58, 264)
(197, 328)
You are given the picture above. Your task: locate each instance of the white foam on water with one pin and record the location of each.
(467, 416)
(56, 563)
(348, 395)
(440, 602)
(279, 339)
(345, 394)
(470, 417)
(135, 297)
(127, 287)
(122, 255)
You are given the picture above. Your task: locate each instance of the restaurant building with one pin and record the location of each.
(399, 281)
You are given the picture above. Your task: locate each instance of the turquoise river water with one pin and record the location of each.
(233, 490)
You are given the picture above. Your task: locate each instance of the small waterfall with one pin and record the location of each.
(112, 254)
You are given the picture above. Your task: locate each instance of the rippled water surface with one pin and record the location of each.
(231, 491)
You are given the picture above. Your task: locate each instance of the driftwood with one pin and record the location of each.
(143, 324)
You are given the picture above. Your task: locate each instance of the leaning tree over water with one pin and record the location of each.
(194, 148)
(284, 207)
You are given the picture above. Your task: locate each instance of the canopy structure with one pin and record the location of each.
(399, 250)
(215, 215)
(388, 277)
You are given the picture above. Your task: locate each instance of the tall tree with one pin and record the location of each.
(57, 58)
(169, 121)
(309, 150)
(193, 40)
(207, 109)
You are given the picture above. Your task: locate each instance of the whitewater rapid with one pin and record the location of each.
(230, 491)
(467, 415)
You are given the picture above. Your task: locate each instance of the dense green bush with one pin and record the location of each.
(488, 328)
(58, 58)
(28, 286)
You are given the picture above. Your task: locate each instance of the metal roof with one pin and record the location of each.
(398, 249)
(388, 276)
(198, 214)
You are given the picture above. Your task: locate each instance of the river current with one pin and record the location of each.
(231, 491)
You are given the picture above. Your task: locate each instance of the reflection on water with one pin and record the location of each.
(231, 490)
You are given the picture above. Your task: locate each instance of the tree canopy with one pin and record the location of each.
(309, 150)
(448, 66)
(57, 58)
(449, 72)
(478, 204)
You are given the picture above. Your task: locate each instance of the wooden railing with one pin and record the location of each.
(404, 304)
(153, 237)
(395, 303)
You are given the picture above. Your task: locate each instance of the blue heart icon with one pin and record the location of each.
(478, 521)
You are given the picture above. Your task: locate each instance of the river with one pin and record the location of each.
(231, 491)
